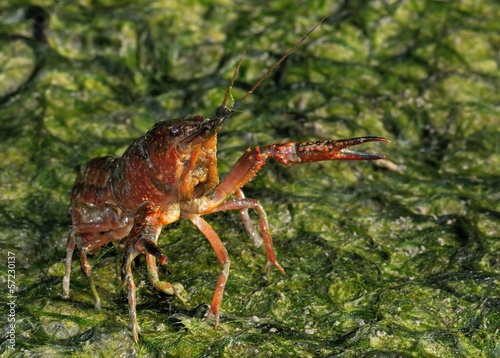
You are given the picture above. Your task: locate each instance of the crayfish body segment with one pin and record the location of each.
(171, 173)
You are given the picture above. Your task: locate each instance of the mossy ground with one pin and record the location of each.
(395, 260)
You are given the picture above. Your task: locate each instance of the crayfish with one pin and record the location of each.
(171, 173)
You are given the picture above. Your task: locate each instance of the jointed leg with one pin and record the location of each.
(87, 270)
(250, 229)
(245, 204)
(70, 248)
(95, 242)
(222, 257)
(168, 288)
(142, 239)
(128, 280)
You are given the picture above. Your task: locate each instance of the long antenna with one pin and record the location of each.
(228, 91)
(276, 64)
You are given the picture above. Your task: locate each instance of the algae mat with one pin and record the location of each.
(391, 259)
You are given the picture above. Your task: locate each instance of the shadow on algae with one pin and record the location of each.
(398, 258)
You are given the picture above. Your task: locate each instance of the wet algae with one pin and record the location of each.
(391, 259)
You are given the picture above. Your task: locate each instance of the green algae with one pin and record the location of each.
(381, 260)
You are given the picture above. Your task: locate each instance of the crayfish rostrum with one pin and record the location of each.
(171, 173)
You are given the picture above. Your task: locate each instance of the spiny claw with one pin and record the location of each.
(345, 153)
(294, 153)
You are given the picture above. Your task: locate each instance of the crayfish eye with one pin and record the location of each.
(174, 131)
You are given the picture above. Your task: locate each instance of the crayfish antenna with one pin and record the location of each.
(228, 91)
(271, 69)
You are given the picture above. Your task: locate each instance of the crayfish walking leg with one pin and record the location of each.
(222, 257)
(243, 204)
(142, 239)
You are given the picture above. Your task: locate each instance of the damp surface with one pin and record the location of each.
(397, 258)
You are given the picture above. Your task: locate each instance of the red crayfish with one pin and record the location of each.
(171, 173)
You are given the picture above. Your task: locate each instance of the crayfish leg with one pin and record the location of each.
(222, 257)
(243, 204)
(128, 280)
(175, 289)
(70, 248)
(142, 239)
(247, 222)
(87, 270)
(75, 240)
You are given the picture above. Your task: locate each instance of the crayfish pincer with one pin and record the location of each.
(171, 173)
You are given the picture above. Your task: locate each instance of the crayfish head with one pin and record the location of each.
(196, 130)
(187, 134)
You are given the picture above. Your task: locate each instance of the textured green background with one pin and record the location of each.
(381, 261)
